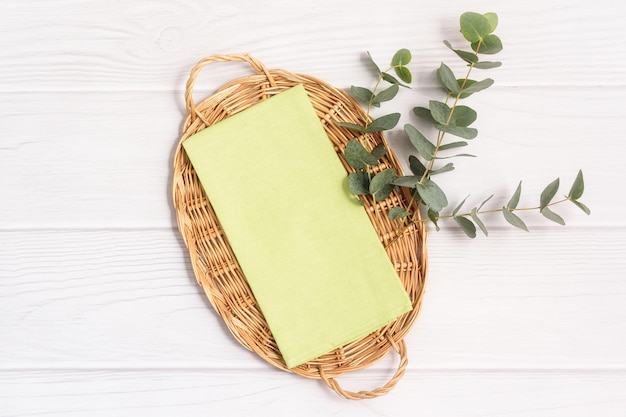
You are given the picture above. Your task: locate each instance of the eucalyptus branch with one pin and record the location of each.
(454, 120)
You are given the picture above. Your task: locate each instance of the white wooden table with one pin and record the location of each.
(99, 311)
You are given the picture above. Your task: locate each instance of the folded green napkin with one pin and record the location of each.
(309, 252)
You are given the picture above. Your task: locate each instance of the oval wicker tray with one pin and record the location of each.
(214, 264)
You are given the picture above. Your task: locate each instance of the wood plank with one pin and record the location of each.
(60, 45)
(196, 393)
(549, 299)
(108, 161)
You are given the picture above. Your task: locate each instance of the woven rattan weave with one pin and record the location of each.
(214, 264)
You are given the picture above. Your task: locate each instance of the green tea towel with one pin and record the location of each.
(309, 252)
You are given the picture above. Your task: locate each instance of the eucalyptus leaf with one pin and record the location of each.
(484, 202)
(416, 166)
(446, 168)
(513, 219)
(447, 78)
(487, 64)
(401, 57)
(466, 225)
(550, 215)
(393, 80)
(458, 207)
(578, 187)
(474, 26)
(408, 181)
(397, 213)
(434, 217)
(462, 132)
(357, 156)
(466, 56)
(423, 146)
(476, 86)
(379, 151)
(424, 113)
(361, 94)
(358, 183)
(548, 194)
(492, 18)
(404, 74)
(386, 95)
(478, 221)
(386, 122)
(374, 63)
(581, 206)
(463, 116)
(452, 145)
(490, 44)
(514, 201)
(439, 111)
(432, 195)
(382, 184)
(351, 126)
(468, 155)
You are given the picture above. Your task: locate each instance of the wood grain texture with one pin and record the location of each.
(99, 311)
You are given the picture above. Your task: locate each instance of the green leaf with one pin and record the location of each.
(424, 113)
(381, 185)
(474, 26)
(492, 18)
(550, 215)
(452, 145)
(581, 206)
(487, 64)
(361, 94)
(446, 168)
(462, 132)
(484, 202)
(472, 86)
(404, 74)
(393, 80)
(402, 57)
(514, 201)
(351, 126)
(548, 194)
(491, 44)
(358, 183)
(407, 181)
(439, 111)
(474, 215)
(466, 56)
(379, 151)
(456, 156)
(447, 78)
(467, 226)
(374, 63)
(386, 122)
(457, 208)
(513, 219)
(432, 195)
(357, 156)
(578, 187)
(434, 217)
(386, 95)
(416, 166)
(423, 146)
(397, 213)
(463, 116)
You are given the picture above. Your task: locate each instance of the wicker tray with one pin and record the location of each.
(214, 264)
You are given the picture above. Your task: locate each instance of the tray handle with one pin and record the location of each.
(400, 348)
(193, 75)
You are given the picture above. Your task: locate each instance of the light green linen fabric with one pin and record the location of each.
(308, 250)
